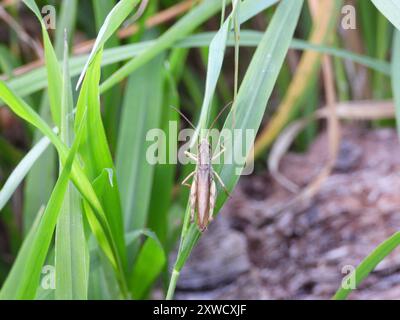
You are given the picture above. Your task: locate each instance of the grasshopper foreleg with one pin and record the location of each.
(191, 156)
(187, 179)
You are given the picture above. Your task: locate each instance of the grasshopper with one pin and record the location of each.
(203, 191)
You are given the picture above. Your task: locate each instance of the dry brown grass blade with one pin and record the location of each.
(333, 127)
(324, 23)
(7, 3)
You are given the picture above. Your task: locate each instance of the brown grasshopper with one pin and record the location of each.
(203, 191)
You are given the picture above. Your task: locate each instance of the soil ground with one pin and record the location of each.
(253, 252)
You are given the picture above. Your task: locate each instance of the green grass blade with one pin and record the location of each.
(96, 154)
(250, 105)
(93, 208)
(65, 23)
(214, 66)
(114, 19)
(112, 99)
(390, 9)
(23, 285)
(135, 173)
(164, 174)
(369, 263)
(8, 61)
(54, 77)
(177, 32)
(36, 80)
(21, 171)
(148, 265)
(43, 172)
(71, 253)
(396, 76)
(249, 9)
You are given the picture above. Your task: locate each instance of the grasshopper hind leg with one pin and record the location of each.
(193, 197)
(213, 196)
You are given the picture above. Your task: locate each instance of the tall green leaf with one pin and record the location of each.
(96, 154)
(71, 253)
(135, 173)
(54, 77)
(114, 19)
(23, 279)
(94, 210)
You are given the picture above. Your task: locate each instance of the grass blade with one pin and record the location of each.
(54, 77)
(215, 60)
(36, 80)
(94, 210)
(396, 76)
(21, 171)
(181, 29)
(390, 9)
(23, 285)
(114, 19)
(71, 252)
(369, 263)
(148, 265)
(250, 106)
(135, 173)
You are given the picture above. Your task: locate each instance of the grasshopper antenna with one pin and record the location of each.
(219, 115)
(184, 117)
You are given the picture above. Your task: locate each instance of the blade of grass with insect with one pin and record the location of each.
(135, 172)
(113, 20)
(251, 101)
(23, 280)
(71, 252)
(390, 9)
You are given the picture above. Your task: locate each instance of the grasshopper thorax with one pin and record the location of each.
(204, 153)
